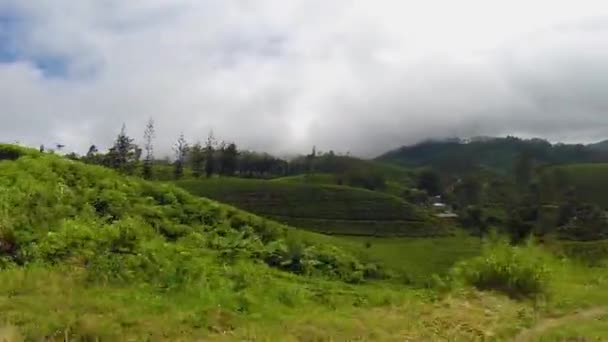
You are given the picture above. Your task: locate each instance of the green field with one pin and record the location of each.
(323, 208)
(414, 258)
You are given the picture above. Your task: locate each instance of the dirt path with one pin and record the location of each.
(550, 323)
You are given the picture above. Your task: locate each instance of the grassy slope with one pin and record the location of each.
(324, 208)
(415, 259)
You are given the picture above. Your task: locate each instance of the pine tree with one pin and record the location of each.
(149, 135)
(123, 155)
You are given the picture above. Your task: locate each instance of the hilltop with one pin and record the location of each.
(499, 154)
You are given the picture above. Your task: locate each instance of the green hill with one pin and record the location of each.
(599, 146)
(324, 208)
(499, 154)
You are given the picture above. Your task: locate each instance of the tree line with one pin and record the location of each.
(199, 159)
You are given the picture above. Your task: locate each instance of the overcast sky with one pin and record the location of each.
(283, 75)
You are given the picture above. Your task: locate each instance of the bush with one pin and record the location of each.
(520, 271)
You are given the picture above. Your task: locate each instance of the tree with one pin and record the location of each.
(93, 156)
(518, 228)
(310, 161)
(209, 154)
(229, 155)
(429, 181)
(523, 170)
(468, 191)
(473, 217)
(149, 135)
(181, 149)
(197, 159)
(219, 157)
(122, 155)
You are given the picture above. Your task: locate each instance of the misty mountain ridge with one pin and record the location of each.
(499, 153)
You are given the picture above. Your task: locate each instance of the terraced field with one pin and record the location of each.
(329, 209)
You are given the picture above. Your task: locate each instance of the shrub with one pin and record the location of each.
(518, 271)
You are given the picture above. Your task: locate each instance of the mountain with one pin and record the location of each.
(599, 146)
(461, 155)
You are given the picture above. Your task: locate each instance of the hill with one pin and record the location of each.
(599, 146)
(87, 254)
(499, 154)
(330, 209)
(67, 226)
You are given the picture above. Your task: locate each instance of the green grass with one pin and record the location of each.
(417, 259)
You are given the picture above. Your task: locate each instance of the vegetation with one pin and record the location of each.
(589, 182)
(324, 208)
(91, 253)
(457, 156)
(516, 271)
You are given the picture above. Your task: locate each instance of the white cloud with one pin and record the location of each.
(359, 76)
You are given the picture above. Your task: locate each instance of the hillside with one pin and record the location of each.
(87, 254)
(71, 224)
(330, 209)
(499, 154)
(390, 186)
(599, 146)
(589, 182)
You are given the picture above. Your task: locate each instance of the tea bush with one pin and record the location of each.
(518, 271)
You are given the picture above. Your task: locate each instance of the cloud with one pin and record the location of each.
(282, 76)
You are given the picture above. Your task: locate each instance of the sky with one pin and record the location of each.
(281, 76)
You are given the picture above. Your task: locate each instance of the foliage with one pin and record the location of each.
(197, 159)
(429, 181)
(124, 154)
(456, 156)
(228, 156)
(181, 150)
(520, 271)
(54, 210)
